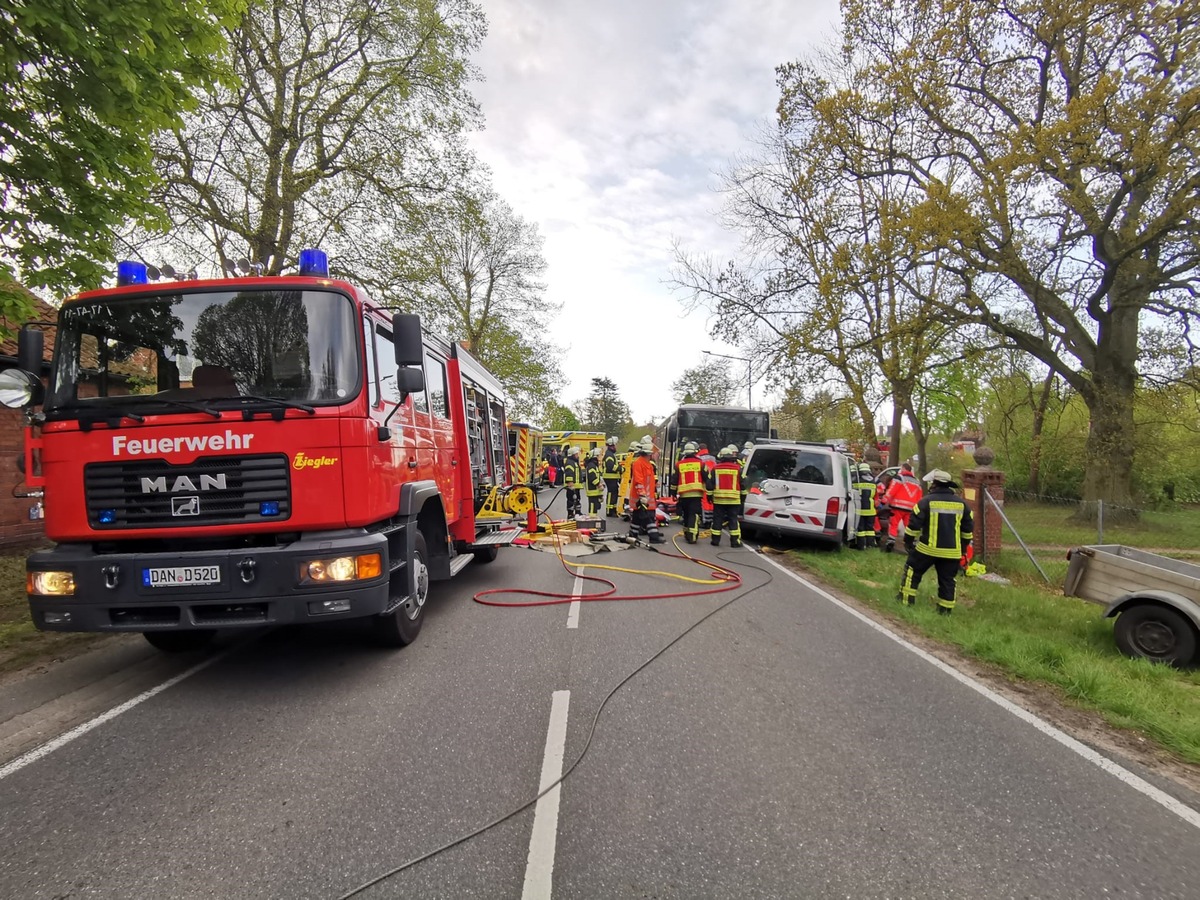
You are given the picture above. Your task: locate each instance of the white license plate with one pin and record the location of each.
(180, 576)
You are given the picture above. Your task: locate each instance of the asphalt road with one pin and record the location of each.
(781, 748)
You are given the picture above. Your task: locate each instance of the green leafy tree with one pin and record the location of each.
(709, 382)
(604, 410)
(473, 268)
(348, 115)
(1049, 152)
(86, 86)
(561, 418)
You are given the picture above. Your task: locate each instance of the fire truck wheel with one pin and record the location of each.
(400, 628)
(486, 554)
(179, 641)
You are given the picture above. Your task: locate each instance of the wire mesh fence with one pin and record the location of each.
(1050, 526)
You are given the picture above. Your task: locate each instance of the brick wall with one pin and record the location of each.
(16, 528)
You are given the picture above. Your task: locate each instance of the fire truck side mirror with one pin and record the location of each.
(406, 336)
(29, 350)
(19, 388)
(410, 381)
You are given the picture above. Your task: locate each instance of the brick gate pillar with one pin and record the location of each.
(988, 524)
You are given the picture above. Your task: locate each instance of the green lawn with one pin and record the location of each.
(1034, 633)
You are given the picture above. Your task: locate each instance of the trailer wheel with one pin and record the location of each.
(1157, 633)
(179, 641)
(401, 627)
(486, 554)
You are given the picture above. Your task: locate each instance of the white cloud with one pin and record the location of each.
(607, 125)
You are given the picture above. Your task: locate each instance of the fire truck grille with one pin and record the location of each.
(213, 490)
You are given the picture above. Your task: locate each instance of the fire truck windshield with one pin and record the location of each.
(203, 348)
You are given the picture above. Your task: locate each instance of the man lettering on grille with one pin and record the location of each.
(939, 528)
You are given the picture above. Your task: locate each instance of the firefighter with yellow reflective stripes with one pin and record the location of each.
(611, 470)
(593, 482)
(864, 483)
(938, 532)
(573, 481)
(725, 486)
(687, 483)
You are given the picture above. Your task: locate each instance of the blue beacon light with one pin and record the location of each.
(315, 263)
(130, 272)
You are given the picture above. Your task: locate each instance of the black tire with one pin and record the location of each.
(486, 554)
(179, 641)
(400, 627)
(1157, 633)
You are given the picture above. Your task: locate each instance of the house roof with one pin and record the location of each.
(41, 312)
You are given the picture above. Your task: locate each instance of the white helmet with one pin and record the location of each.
(647, 447)
(749, 445)
(728, 452)
(647, 439)
(596, 453)
(612, 440)
(574, 451)
(690, 447)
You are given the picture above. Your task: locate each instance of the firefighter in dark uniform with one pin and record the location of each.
(725, 486)
(593, 482)
(611, 470)
(687, 484)
(864, 483)
(572, 481)
(938, 531)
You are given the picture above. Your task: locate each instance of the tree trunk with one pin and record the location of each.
(1039, 422)
(897, 429)
(1109, 469)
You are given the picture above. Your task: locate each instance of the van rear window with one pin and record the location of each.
(805, 466)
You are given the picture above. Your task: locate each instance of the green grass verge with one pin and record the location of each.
(1034, 633)
(21, 644)
(1049, 524)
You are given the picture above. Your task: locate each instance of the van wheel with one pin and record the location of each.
(486, 554)
(179, 641)
(1156, 633)
(400, 627)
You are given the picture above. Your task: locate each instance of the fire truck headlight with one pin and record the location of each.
(50, 584)
(343, 568)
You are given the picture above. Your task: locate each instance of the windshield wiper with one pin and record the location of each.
(279, 403)
(185, 404)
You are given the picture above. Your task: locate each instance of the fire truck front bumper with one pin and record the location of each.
(317, 578)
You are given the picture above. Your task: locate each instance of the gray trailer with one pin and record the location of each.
(1155, 599)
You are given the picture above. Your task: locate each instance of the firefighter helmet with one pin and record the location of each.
(612, 441)
(727, 452)
(574, 451)
(647, 447)
(940, 476)
(690, 447)
(635, 447)
(749, 445)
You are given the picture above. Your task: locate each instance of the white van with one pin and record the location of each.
(800, 489)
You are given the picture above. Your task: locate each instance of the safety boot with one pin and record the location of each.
(716, 542)
(944, 610)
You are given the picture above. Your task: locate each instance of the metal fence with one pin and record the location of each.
(1038, 530)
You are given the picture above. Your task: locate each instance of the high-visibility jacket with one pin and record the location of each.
(572, 476)
(904, 493)
(725, 482)
(942, 524)
(593, 479)
(641, 481)
(612, 466)
(865, 485)
(689, 476)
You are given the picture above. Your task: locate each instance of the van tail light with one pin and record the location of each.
(832, 506)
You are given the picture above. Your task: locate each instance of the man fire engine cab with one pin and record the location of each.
(241, 452)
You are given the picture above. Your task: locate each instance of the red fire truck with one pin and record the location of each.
(243, 452)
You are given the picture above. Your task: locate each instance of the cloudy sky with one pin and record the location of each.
(608, 124)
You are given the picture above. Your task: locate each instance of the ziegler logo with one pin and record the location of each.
(183, 483)
(302, 461)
